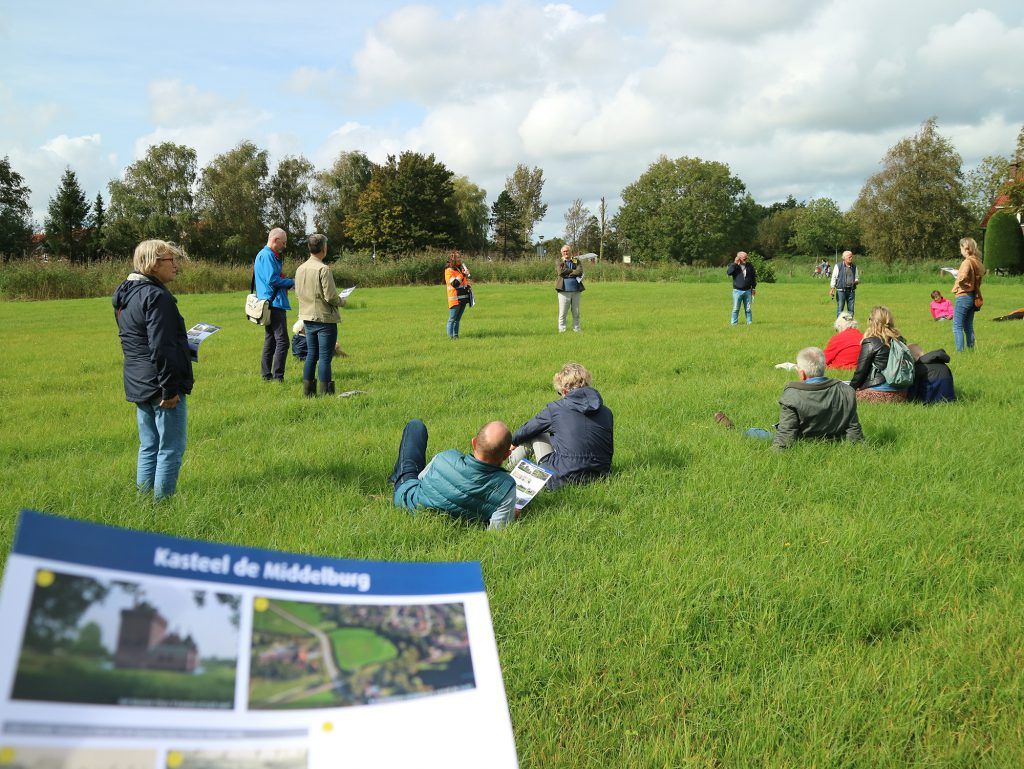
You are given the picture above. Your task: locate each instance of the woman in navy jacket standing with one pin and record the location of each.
(157, 363)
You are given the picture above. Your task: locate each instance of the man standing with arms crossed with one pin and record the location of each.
(273, 285)
(844, 282)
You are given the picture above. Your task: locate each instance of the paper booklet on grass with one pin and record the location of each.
(142, 651)
(530, 479)
(197, 335)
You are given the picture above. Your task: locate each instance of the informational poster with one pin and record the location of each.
(140, 651)
(530, 479)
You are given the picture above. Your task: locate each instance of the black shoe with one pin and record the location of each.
(308, 388)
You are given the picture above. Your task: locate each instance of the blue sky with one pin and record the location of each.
(799, 97)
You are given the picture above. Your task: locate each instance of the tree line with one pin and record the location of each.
(685, 209)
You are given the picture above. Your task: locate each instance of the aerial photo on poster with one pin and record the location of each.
(312, 655)
(109, 642)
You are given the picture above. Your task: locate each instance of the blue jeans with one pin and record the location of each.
(963, 322)
(844, 296)
(320, 339)
(454, 316)
(744, 297)
(412, 455)
(161, 446)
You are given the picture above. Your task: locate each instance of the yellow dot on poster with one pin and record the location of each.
(6, 755)
(260, 604)
(174, 759)
(328, 726)
(44, 578)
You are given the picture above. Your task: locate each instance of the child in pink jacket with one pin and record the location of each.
(942, 309)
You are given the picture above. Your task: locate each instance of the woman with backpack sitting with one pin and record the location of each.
(885, 367)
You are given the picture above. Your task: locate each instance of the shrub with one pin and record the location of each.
(1004, 244)
(762, 267)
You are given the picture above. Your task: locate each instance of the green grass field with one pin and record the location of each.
(712, 604)
(356, 647)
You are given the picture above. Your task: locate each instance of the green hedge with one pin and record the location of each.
(1004, 244)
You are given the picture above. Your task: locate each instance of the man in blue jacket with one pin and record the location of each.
(273, 285)
(469, 487)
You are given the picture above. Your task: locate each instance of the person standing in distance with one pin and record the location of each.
(157, 363)
(459, 287)
(569, 285)
(845, 278)
(318, 310)
(273, 285)
(966, 287)
(744, 286)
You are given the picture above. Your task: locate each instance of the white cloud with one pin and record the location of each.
(203, 120)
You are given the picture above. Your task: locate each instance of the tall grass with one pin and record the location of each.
(713, 603)
(31, 280)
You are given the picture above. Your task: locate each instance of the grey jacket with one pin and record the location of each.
(826, 410)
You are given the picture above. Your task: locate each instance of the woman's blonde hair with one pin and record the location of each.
(149, 251)
(572, 377)
(881, 325)
(971, 246)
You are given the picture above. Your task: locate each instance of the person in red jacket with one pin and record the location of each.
(844, 347)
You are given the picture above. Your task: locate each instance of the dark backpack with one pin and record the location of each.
(899, 370)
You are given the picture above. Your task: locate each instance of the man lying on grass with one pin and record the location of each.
(814, 407)
(473, 488)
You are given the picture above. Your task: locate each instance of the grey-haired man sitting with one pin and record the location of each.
(814, 407)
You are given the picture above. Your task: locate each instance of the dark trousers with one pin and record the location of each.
(275, 345)
(412, 453)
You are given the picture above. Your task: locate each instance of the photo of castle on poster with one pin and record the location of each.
(109, 642)
(311, 655)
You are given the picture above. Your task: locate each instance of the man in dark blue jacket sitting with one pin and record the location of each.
(473, 488)
(572, 437)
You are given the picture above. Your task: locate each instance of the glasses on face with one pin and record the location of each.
(172, 259)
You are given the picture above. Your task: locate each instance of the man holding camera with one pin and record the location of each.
(744, 286)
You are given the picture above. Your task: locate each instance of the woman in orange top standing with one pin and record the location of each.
(967, 289)
(456, 279)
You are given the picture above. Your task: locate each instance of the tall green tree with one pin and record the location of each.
(506, 223)
(685, 209)
(65, 219)
(471, 207)
(819, 227)
(97, 223)
(981, 187)
(288, 192)
(914, 207)
(15, 212)
(156, 198)
(526, 186)
(408, 205)
(233, 199)
(336, 196)
(576, 219)
(774, 234)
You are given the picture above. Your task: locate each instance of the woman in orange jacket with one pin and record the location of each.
(456, 279)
